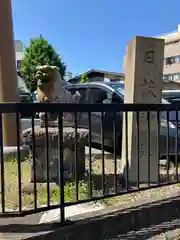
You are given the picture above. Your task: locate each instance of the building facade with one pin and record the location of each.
(171, 70)
(100, 76)
(19, 51)
(172, 56)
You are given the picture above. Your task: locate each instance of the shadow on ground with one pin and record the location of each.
(166, 230)
(168, 225)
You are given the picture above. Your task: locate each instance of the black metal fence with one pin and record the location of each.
(102, 128)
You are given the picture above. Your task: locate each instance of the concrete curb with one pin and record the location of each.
(79, 209)
(109, 224)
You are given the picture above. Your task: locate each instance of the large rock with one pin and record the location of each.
(53, 162)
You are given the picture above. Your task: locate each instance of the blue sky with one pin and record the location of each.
(93, 34)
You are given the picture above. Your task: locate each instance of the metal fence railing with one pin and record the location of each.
(97, 126)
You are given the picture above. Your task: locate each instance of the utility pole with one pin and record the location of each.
(8, 76)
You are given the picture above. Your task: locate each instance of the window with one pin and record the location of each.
(82, 92)
(18, 64)
(169, 60)
(177, 59)
(170, 77)
(117, 99)
(96, 95)
(165, 78)
(176, 77)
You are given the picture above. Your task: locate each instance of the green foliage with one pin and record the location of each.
(84, 78)
(39, 52)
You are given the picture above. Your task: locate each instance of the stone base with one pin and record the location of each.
(54, 165)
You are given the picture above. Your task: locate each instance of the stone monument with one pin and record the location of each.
(143, 84)
(50, 89)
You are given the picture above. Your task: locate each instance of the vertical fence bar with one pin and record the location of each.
(76, 157)
(19, 160)
(47, 157)
(2, 167)
(149, 151)
(158, 140)
(177, 142)
(34, 160)
(137, 147)
(126, 146)
(115, 154)
(167, 146)
(61, 170)
(90, 156)
(102, 149)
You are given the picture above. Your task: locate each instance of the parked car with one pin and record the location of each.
(25, 97)
(98, 92)
(173, 96)
(170, 95)
(34, 96)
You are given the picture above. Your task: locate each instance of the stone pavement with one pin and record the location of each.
(19, 227)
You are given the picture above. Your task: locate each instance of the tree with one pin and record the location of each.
(84, 78)
(39, 52)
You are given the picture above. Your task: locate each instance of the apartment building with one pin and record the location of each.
(19, 48)
(172, 56)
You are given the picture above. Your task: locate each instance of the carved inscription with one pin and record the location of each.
(149, 87)
(149, 56)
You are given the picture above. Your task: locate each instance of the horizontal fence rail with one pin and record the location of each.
(55, 108)
(58, 172)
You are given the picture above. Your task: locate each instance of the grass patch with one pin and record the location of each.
(12, 192)
(12, 188)
(98, 188)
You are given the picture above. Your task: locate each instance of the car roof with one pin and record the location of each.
(170, 91)
(88, 83)
(103, 84)
(106, 84)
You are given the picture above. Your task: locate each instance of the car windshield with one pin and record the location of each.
(120, 88)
